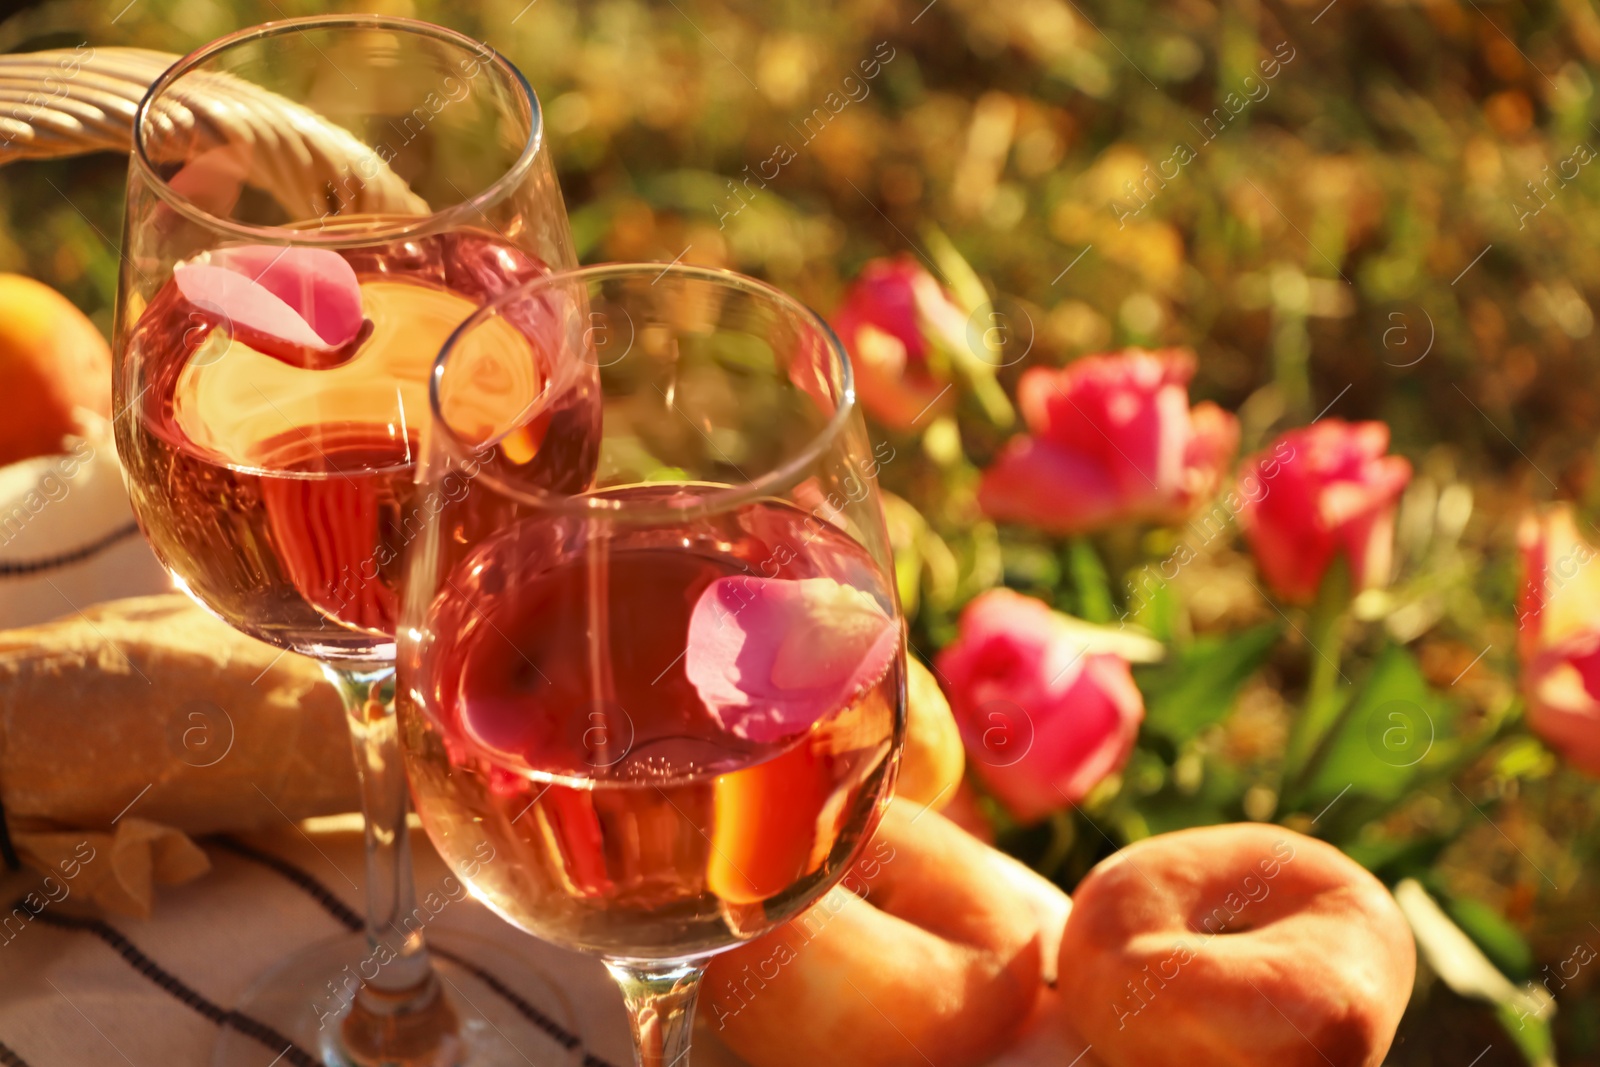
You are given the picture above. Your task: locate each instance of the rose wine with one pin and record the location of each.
(276, 481)
(552, 712)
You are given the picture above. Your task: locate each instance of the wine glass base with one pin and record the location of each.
(510, 1013)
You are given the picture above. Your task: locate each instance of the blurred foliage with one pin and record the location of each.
(1395, 225)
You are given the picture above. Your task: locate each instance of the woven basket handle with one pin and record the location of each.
(66, 102)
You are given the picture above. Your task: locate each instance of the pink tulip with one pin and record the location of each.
(1559, 636)
(1112, 438)
(885, 322)
(1044, 719)
(1322, 491)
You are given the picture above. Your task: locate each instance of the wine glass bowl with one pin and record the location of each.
(284, 294)
(670, 705)
(313, 206)
(631, 821)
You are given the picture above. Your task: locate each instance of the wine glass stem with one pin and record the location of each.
(660, 999)
(398, 958)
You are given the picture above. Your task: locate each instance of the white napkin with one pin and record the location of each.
(67, 534)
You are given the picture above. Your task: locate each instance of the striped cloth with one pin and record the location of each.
(80, 988)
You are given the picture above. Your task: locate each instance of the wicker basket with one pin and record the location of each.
(66, 102)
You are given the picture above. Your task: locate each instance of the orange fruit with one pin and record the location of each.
(53, 362)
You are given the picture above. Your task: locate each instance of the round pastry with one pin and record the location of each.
(927, 952)
(1235, 946)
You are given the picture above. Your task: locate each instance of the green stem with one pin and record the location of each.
(1325, 638)
(1327, 635)
(1090, 581)
(991, 397)
(977, 370)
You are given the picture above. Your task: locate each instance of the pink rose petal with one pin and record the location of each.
(300, 305)
(316, 283)
(771, 656)
(241, 303)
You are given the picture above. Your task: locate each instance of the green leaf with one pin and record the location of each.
(1531, 1035)
(1386, 737)
(1314, 724)
(1029, 564)
(959, 340)
(963, 281)
(1090, 580)
(1393, 858)
(1215, 801)
(908, 579)
(745, 351)
(1156, 610)
(1524, 1011)
(590, 223)
(1525, 757)
(1198, 685)
(1500, 941)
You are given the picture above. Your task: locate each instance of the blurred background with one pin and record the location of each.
(1377, 209)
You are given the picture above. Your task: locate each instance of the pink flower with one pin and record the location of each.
(771, 656)
(300, 305)
(1319, 492)
(1044, 718)
(885, 321)
(1558, 636)
(1112, 438)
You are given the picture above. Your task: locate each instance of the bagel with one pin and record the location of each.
(927, 949)
(1235, 946)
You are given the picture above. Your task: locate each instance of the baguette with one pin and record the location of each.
(151, 703)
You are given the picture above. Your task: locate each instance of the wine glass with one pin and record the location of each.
(672, 704)
(313, 206)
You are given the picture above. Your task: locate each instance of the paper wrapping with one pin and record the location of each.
(139, 722)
